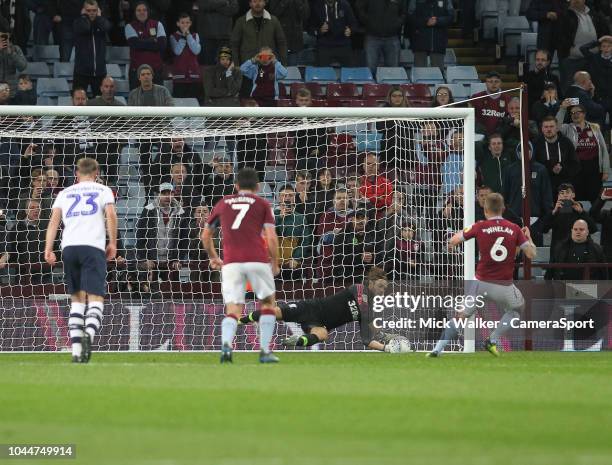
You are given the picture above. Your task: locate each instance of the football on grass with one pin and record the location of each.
(399, 345)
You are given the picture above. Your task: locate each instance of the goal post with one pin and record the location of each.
(322, 169)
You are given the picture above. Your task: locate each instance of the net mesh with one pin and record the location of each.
(404, 174)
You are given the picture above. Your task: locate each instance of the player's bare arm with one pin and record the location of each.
(207, 242)
(456, 240)
(272, 241)
(111, 230)
(54, 222)
(530, 250)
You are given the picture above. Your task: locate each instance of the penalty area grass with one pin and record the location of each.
(333, 409)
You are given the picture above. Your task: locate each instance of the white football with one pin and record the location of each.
(399, 345)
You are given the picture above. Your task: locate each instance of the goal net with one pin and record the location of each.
(351, 188)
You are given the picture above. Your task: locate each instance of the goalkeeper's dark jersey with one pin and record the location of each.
(346, 306)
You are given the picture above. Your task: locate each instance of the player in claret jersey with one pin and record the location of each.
(499, 241)
(247, 255)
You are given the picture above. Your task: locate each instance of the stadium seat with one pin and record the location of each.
(52, 87)
(342, 91)
(64, 101)
(476, 87)
(417, 94)
(368, 141)
(509, 33)
(375, 91)
(320, 74)
(375, 101)
(122, 87)
(186, 102)
(46, 53)
(315, 89)
(115, 71)
(489, 16)
(293, 75)
(388, 75)
(450, 59)
(37, 69)
(119, 55)
(46, 101)
(320, 103)
(357, 102)
(461, 74)
(426, 75)
(63, 70)
(529, 45)
(406, 57)
(459, 91)
(356, 75)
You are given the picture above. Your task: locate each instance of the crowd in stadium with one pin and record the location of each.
(333, 222)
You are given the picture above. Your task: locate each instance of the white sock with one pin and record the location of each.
(93, 319)
(266, 330)
(76, 321)
(228, 330)
(449, 333)
(504, 325)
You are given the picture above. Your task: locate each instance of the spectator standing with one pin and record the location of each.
(161, 235)
(220, 182)
(452, 168)
(186, 76)
(330, 223)
(428, 22)
(590, 148)
(584, 90)
(578, 26)
(292, 15)
(599, 65)
(68, 11)
(264, 71)
(510, 126)
(149, 94)
(90, 31)
(604, 217)
(547, 13)
(44, 12)
(383, 22)
(374, 186)
(404, 253)
(222, 82)
(565, 213)
(333, 22)
(540, 193)
(106, 98)
(354, 248)
(548, 105)
(557, 153)
(540, 76)
(12, 60)
(257, 29)
(490, 105)
(146, 38)
(310, 144)
(579, 248)
(215, 27)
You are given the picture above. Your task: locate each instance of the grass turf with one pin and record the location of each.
(333, 409)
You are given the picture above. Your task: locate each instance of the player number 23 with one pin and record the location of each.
(498, 252)
(90, 202)
(242, 208)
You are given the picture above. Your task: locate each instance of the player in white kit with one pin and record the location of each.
(87, 210)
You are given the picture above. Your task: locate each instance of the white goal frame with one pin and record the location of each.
(412, 113)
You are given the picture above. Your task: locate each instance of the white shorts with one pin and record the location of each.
(507, 298)
(234, 277)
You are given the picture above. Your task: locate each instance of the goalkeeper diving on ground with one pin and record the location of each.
(318, 317)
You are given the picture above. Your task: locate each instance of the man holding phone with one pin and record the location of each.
(604, 217)
(12, 60)
(565, 213)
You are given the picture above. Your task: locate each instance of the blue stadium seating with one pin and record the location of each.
(64, 101)
(122, 87)
(46, 101)
(119, 55)
(320, 74)
(47, 53)
(37, 69)
(510, 30)
(476, 87)
(114, 70)
(186, 102)
(450, 58)
(293, 75)
(428, 75)
(529, 46)
(368, 141)
(63, 70)
(406, 57)
(461, 74)
(356, 75)
(385, 75)
(52, 87)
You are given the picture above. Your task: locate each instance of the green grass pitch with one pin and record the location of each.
(315, 408)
